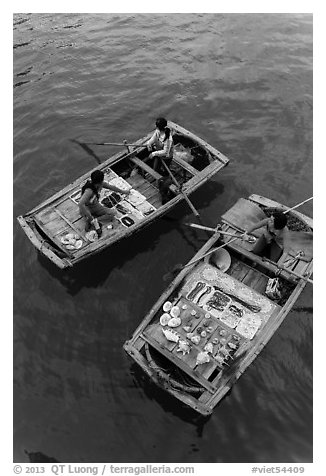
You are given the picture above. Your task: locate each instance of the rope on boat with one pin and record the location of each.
(165, 379)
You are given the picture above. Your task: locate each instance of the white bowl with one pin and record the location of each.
(220, 258)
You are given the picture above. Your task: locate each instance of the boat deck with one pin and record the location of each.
(224, 329)
(63, 216)
(57, 230)
(226, 305)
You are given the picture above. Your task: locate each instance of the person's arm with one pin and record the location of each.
(165, 151)
(115, 189)
(151, 141)
(258, 225)
(84, 211)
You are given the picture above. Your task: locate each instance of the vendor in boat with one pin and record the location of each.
(271, 242)
(159, 147)
(89, 205)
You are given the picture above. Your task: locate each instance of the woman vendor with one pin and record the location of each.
(89, 205)
(271, 242)
(159, 146)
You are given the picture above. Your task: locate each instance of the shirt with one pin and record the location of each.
(164, 148)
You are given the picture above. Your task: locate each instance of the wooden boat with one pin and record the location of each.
(222, 300)
(49, 224)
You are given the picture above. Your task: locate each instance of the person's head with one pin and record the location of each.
(280, 220)
(161, 123)
(97, 177)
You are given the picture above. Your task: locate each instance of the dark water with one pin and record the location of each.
(243, 82)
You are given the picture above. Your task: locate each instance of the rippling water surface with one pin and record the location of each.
(243, 82)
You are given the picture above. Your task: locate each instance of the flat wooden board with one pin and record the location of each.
(244, 214)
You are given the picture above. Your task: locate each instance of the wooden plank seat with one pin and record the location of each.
(185, 165)
(140, 163)
(243, 215)
(152, 172)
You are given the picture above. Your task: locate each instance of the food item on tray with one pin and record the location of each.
(232, 346)
(224, 351)
(209, 329)
(235, 310)
(175, 311)
(164, 319)
(174, 322)
(251, 307)
(207, 315)
(215, 340)
(199, 329)
(187, 328)
(209, 348)
(183, 347)
(202, 358)
(218, 301)
(167, 306)
(171, 335)
(193, 312)
(195, 339)
(203, 334)
(200, 299)
(184, 306)
(219, 359)
(193, 293)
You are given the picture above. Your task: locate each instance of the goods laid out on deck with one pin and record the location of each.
(222, 308)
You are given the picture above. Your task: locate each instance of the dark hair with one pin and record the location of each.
(97, 176)
(280, 220)
(167, 133)
(161, 123)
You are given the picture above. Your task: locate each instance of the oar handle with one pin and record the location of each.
(215, 230)
(201, 227)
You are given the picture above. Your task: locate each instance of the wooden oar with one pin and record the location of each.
(201, 227)
(298, 205)
(196, 213)
(114, 143)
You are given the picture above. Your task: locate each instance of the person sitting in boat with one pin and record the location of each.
(89, 205)
(271, 242)
(159, 147)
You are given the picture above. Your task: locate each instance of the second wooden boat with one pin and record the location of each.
(222, 308)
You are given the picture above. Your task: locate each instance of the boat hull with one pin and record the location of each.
(248, 276)
(47, 224)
